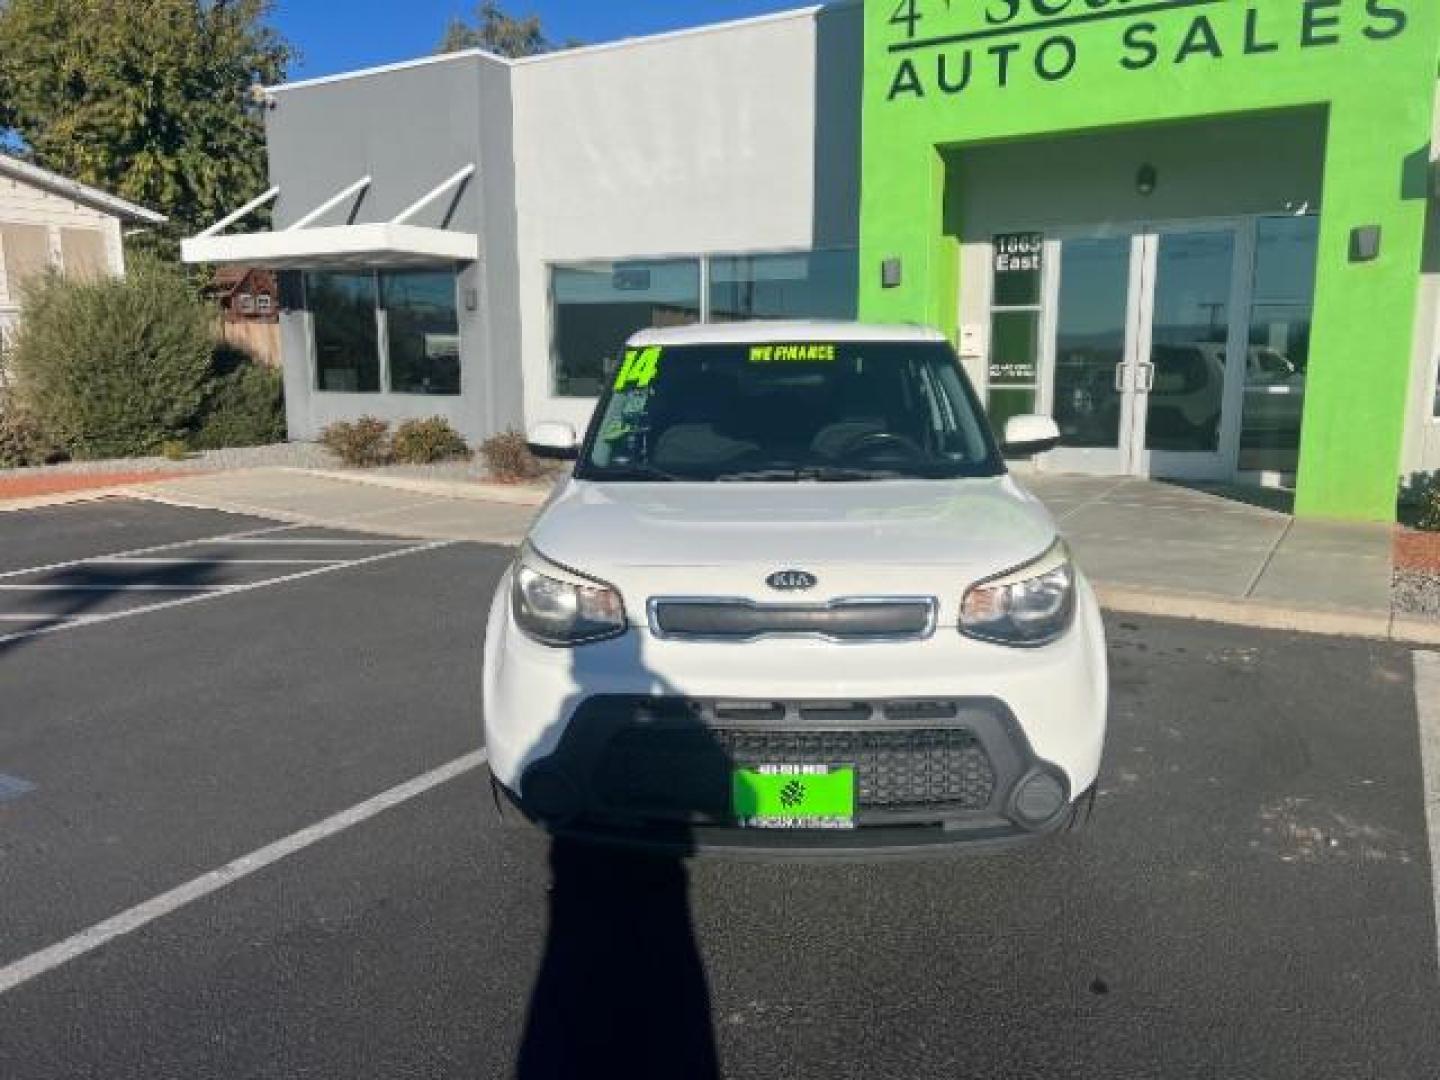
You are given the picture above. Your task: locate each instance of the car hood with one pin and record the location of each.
(869, 538)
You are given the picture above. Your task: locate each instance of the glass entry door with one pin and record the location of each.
(1141, 322)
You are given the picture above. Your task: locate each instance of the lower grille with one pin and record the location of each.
(672, 770)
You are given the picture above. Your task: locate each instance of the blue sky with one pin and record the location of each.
(360, 33)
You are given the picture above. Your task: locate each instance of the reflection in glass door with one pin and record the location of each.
(1135, 357)
(1092, 347)
(1185, 380)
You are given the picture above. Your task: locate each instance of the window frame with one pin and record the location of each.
(382, 330)
(704, 259)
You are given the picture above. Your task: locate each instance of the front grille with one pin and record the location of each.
(860, 619)
(670, 770)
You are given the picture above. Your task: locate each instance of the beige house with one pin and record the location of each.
(48, 221)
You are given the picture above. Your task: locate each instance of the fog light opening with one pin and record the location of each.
(1040, 798)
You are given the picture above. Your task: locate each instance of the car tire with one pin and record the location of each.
(1082, 810)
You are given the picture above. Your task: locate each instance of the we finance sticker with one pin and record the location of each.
(639, 369)
(806, 352)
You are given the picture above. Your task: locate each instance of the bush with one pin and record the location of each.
(508, 458)
(1420, 501)
(364, 442)
(22, 440)
(424, 442)
(1430, 507)
(244, 406)
(113, 367)
(174, 450)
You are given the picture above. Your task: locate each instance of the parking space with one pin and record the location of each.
(1254, 898)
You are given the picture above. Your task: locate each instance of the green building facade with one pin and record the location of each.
(1108, 203)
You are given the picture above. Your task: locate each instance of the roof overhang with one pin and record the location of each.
(379, 244)
(75, 191)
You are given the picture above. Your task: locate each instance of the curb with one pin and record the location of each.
(66, 498)
(1262, 615)
(473, 490)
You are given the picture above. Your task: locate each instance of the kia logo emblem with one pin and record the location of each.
(792, 580)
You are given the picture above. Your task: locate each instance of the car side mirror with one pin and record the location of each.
(554, 439)
(1030, 434)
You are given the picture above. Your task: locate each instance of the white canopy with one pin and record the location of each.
(371, 244)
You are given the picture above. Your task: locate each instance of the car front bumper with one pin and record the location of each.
(634, 740)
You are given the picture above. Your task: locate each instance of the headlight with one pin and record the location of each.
(1032, 605)
(556, 606)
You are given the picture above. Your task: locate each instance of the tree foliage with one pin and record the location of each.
(149, 99)
(499, 33)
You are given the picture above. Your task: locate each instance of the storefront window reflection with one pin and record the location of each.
(803, 285)
(1090, 340)
(347, 341)
(597, 306)
(423, 332)
(1279, 352)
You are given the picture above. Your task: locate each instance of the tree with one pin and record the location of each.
(150, 99)
(496, 32)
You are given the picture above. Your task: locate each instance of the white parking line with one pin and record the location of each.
(219, 560)
(1427, 709)
(127, 922)
(224, 539)
(78, 621)
(124, 586)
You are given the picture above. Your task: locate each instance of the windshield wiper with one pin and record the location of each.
(632, 472)
(821, 474)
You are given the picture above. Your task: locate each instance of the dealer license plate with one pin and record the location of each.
(793, 797)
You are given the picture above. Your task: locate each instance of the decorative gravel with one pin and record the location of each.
(1417, 592)
(291, 455)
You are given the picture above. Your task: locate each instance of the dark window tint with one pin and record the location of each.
(778, 411)
(423, 330)
(347, 341)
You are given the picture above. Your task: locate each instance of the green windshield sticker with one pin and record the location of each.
(780, 354)
(639, 369)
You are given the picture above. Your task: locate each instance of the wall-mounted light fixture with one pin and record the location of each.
(891, 274)
(1146, 179)
(1365, 244)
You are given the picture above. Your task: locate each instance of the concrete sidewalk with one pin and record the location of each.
(1151, 548)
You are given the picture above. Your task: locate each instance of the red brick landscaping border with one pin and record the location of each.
(30, 487)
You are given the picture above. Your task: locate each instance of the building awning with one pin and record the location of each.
(393, 243)
(342, 246)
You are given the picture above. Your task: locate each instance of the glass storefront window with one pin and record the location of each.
(1090, 339)
(1279, 350)
(804, 285)
(597, 306)
(422, 331)
(347, 339)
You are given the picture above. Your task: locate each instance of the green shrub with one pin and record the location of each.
(364, 442)
(22, 440)
(113, 367)
(424, 442)
(1430, 507)
(244, 406)
(1420, 501)
(508, 458)
(174, 450)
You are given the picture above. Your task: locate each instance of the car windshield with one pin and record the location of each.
(779, 411)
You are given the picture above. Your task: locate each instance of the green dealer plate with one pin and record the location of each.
(798, 797)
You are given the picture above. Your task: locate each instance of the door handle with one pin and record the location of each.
(1122, 382)
(1147, 376)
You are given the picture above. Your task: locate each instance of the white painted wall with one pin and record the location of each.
(25, 204)
(701, 142)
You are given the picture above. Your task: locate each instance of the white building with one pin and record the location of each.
(50, 222)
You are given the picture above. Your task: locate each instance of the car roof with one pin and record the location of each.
(748, 333)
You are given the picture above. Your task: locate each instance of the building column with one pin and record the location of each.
(1357, 384)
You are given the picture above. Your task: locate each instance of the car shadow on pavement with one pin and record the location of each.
(622, 988)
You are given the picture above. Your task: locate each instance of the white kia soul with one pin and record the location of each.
(791, 600)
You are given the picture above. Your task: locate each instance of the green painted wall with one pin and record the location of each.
(969, 71)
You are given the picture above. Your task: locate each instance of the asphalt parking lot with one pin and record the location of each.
(184, 692)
